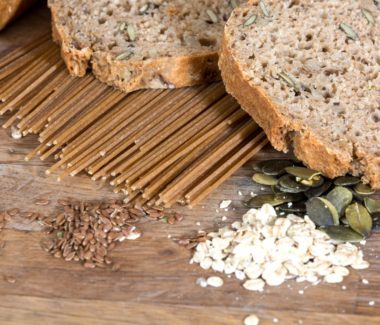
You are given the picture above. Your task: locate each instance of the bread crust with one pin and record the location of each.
(287, 134)
(131, 75)
(10, 9)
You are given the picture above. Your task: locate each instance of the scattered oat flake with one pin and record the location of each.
(365, 281)
(344, 288)
(215, 281)
(224, 218)
(251, 320)
(133, 235)
(198, 223)
(371, 303)
(202, 282)
(225, 204)
(240, 193)
(275, 320)
(301, 292)
(15, 133)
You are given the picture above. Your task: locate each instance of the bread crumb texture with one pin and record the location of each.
(309, 73)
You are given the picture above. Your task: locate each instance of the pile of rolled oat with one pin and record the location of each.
(266, 249)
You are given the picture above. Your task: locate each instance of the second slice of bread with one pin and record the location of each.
(309, 73)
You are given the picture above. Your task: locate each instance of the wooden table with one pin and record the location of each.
(156, 284)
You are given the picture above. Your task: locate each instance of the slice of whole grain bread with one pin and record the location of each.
(142, 44)
(309, 73)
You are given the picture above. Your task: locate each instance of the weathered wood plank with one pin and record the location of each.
(156, 284)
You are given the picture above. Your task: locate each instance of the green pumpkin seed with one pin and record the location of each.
(250, 21)
(318, 191)
(296, 207)
(322, 212)
(359, 219)
(302, 172)
(289, 183)
(341, 198)
(212, 16)
(363, 189)
(124, 56)
(264, 179)
(264, 8)
(259, 200)
(346, 180)
(290, 197)
(257, 166)
(131, 32)
(281, 189)
(372, 205)
(276, 189)
(343, 234)
(368, 15)
(290, 81)
(276, 167)
(349, 31)
(233, 4)
(144, 9)
(357, 197)
(273, 199)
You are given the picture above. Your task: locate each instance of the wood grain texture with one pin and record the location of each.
(156, 284)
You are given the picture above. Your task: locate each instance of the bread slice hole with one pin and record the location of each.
(203, 41)
(101, 21)
(293, 3)
(376, 117)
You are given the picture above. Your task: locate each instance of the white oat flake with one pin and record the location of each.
(202, 282)
(225, 204)
(215, 281)
(251, 320)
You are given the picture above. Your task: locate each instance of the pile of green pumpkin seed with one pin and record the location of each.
(342, 207)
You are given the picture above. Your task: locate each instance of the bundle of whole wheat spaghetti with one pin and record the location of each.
(159, 146)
